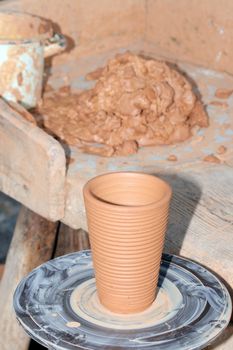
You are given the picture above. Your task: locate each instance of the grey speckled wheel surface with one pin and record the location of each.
(57, 305)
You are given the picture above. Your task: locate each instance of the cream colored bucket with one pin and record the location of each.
(25, 40)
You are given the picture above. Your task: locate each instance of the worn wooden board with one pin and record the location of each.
(32, 244)
(197, 34)
(70, 240)
(32, 164)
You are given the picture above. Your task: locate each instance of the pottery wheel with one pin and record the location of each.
(57, 305)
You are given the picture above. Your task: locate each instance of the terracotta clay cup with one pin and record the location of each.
(127, 215)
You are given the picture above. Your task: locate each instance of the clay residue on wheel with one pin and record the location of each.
(135, 102)
(85, 304)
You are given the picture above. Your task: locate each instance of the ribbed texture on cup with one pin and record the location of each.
(127, 240)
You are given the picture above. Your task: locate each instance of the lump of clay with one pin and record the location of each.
(136, 102)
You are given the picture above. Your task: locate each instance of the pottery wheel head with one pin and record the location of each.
(58, 306)
(85, 303)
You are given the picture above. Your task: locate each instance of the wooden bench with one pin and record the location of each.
(33, 170)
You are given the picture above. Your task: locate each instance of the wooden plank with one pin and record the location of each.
(32, 164)
(208, 26)
(201, 219)
(32, 244)
(70, 240)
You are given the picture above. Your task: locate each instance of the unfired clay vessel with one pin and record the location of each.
(127, 216)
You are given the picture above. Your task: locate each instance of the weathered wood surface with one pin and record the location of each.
(70, 240)
(201, 217)
(32, 244)
(32, 164)
(207, 39)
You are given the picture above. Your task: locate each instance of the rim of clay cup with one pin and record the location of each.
(91, 197)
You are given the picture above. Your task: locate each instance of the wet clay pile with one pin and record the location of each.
(136, 102)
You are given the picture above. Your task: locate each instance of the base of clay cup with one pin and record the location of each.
(117, 310)
(141, 304)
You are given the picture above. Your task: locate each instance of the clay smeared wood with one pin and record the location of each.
(32, 164)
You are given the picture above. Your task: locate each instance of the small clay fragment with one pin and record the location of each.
(65, 90)
(126, 148)
(48, 88)
(223, 105)
(73, 324)
(197, 139)
(172, 158)
(221, 149)
(223, 93)
(20, 78)
(211, 158)
(23, 112)
(104, 150)
(96, 74)
(70, 160)
(198, 117)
